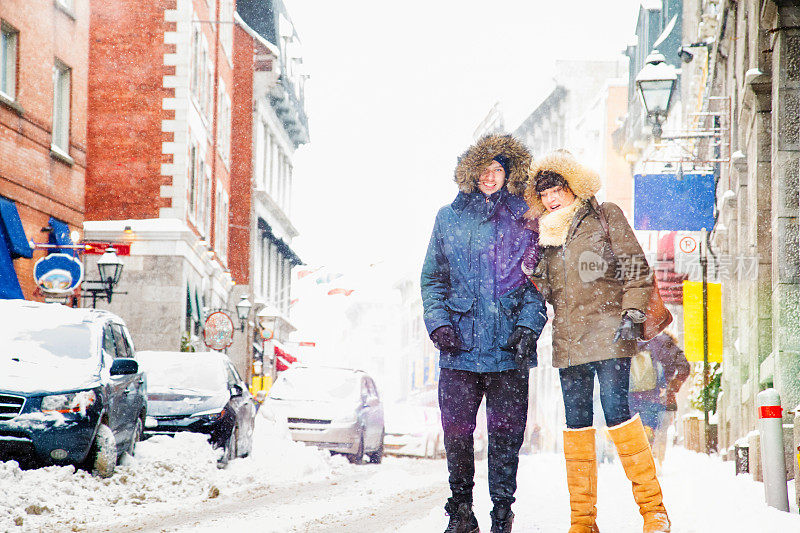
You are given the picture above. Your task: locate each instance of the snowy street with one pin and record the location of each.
(173, 485)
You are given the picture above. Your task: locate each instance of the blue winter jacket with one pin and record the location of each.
(472, 280)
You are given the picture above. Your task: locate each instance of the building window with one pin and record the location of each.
(224, 124)
(226, 28)
(221, 226)
(61, 108)
(9, 43)
(193, 182)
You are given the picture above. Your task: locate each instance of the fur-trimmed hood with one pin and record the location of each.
(478, 156)
(583, 181)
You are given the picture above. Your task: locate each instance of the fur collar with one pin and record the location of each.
(554, 226)
(472, 163)
(583, 181)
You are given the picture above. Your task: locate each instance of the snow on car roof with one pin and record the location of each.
(21, 312)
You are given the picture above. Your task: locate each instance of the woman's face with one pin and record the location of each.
(492, 178)
(556, 197)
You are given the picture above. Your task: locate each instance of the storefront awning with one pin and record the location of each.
(192, 305)
(283, 360)
(59, 235)
(13, 244)
(15, 238)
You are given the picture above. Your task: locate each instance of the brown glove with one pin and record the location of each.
(672, 389)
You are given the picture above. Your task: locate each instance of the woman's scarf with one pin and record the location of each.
(554, 225)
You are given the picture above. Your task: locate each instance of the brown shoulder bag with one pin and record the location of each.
(657, 317)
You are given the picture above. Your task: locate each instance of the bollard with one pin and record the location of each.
(773, 458)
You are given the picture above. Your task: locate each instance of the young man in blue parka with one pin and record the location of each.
(485, 317)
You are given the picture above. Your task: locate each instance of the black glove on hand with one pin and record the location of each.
(628, 330)
(445, 339)
(522, 343)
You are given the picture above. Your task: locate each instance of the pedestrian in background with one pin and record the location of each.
(485, 317)
(594, 273)
(657, 373)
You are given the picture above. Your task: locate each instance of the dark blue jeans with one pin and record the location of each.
(460, 395)
(577, 386)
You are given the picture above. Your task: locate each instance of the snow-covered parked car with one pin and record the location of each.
(413, 430)
(70, 387)
(334, 408)
(199, 392)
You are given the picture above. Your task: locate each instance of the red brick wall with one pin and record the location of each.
(241, 157)
(126, 58)
(40, 185)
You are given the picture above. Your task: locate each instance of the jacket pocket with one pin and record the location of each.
(462, 316)
(510, 307)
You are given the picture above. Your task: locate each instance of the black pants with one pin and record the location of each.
(577, 387)
(460, 395)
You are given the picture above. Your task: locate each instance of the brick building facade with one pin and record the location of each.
(43, 139)
(159, 159)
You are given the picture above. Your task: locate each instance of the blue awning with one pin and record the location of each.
(9, 284)
(12, 244)
(15, 239)
(59, 235)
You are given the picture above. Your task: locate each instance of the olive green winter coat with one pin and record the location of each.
(588, 280)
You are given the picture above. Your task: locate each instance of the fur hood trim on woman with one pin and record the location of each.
(583, 181)
(478, 156)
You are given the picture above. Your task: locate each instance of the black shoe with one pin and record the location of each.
(462, 519)
(502, 518)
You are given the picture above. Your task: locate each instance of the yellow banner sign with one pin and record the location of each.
(693, 321)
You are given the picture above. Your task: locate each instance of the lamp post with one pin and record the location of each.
(243, 311)
(110, 268)
(656, 84)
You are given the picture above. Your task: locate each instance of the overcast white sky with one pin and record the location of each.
(396, 91)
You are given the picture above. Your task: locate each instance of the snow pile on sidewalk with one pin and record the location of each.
(166, 471)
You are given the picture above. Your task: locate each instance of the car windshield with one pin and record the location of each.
(326, 385)
(190, 374)
(50, 345)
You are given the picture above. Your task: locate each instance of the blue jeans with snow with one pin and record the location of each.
(577, 387)
(460, 395)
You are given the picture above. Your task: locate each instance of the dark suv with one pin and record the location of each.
(70, 387)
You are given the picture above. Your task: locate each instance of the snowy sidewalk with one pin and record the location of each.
(701, 493)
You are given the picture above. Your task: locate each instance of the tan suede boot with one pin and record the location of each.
(581, 479)
(637, 460)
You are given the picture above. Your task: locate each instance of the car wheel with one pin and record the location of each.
(103, 455)
(136, 436)
(377, 456)
(358, 457)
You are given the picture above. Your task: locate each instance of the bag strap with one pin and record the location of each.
(603, 220)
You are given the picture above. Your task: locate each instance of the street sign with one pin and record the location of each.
(218, 330)
(693, 321)
(687, 244)
(58, 274)
(99, 248)
(672, 202)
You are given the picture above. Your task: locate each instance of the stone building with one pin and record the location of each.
(754, 60)
(43, 141)
(270, 124)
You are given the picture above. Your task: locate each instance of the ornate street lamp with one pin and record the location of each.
(243, 311)
(110, 267)
(656, 83)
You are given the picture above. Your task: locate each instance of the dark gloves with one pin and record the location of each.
(522, 343)
(630, 328)
(445, 339)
